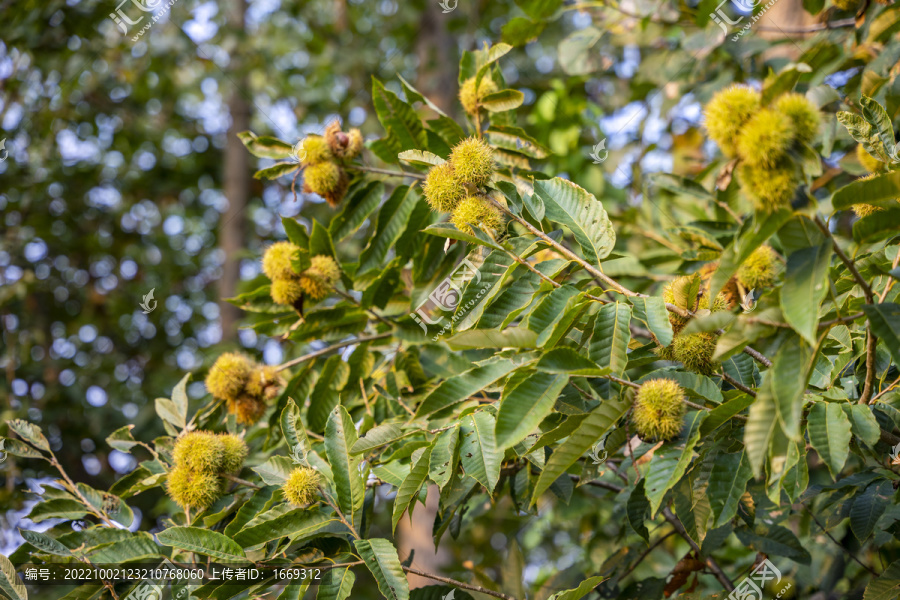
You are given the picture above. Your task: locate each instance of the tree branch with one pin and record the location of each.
(710, 562)
(337, 346)
(460, 584)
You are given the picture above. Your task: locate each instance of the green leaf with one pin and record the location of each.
(276, 170)
(790, 375)
(597, 423)
(502, 101)
(637, 508)
(478, 449)
(458, 388)
(398, 117)
(44, 543)
(885, 322)
(137, 546)
(609, 342)
(379, 436)
(320, 242)
(381, 558)
(355, 209)
(421, 158)
(525, 404)
(723, 413)
(511, 337)
(583, 589)
(448, 230)
(202, 541)
(30, 433)
(761, 428)
(275, 471)
(409, 489)
(340, 435)
(773, 539)
(829, 434)
(805, 286)
(337, 585)
(682, 185)
(863, 423)
(390, 225)
(727, 482)
(265, 146)
(10, 584)
(886, 586)
(669, 463)
(444, 457)
(880, 225)
(875, 114)
(568, 361)
(882, 190)
(121, 439)
(868, 507)
(296, 232)
(520, 30)
(753, 234)
(58, 508)
(292, 428)
(572, 206)
(653, 312)
(18, 448)
(285, 521)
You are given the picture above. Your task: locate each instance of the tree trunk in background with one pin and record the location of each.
(438, 58)
(417, 536)
(436, 79)
(236, 186)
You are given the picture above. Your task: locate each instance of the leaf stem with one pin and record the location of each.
(400, 173)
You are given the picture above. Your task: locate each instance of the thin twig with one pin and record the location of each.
(710, 562)
(339, 514)
(240, 481)
(841, 546)
(337, 346)
(837, 24)
(645, 553)
(459, 584)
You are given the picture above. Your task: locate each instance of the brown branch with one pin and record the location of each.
(710, 562)
(337, 346)
(460, 584)
(240, 481)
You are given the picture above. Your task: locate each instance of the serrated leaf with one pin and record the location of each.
(583, 589)
(30, 433)
(337, 586)
(420, 158)
(202, 541)
(885, 322)
(265, 146)
(597, 423)
(790, 369)
(637, 508)
(761, 428)
(653, 312)
(276, 170)
(773, 539)
(340, 435)
(886, 586)
(868, 507)
(805, 286)
(44, 543)
(502, 101)
(457, 388)
(669, 463)
(381, 559)
(478, 449)
(881, 190)
(275, 471)
(10, 584)
(389, 226)
(829, 434)
(752, 235)
(398, 117)
(409, 489)
(611, 336)
(525, 405)
(572, 206)
(568, 361)
(727, 482)
(444, 457)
